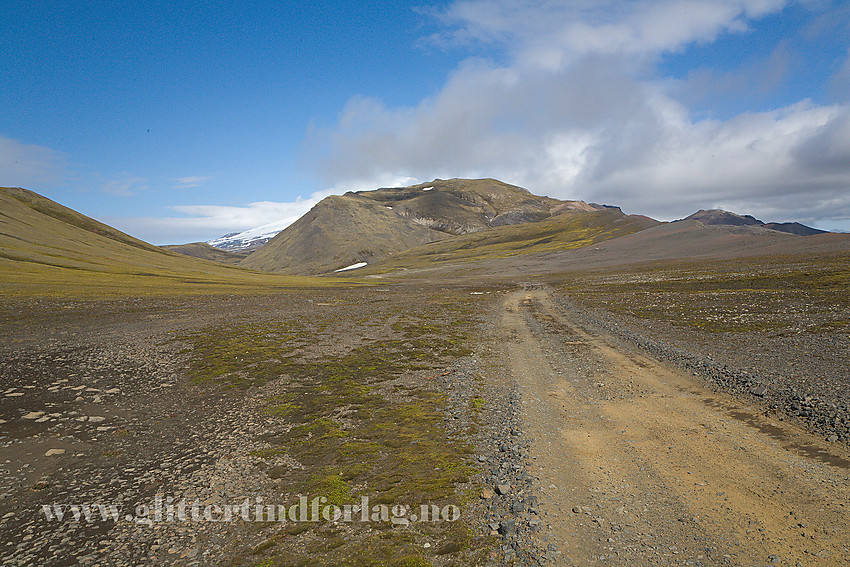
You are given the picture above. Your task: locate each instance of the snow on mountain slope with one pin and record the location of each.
(252, 238)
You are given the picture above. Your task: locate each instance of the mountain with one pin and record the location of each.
(721, 217)
(338, 232)
(206, 252)
(794, 228)
(249, 240)
(49, 249)
(366, 226)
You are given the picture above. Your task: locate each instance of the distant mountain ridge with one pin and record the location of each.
(204, 251)
(721, 217)
(446, 228)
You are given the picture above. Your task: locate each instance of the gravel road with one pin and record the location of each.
(638, 463)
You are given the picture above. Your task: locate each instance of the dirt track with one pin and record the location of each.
(639, 464)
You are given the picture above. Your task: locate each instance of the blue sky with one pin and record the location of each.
(180, 121)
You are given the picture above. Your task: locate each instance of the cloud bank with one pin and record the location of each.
(579, 110)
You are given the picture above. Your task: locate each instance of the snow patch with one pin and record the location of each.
(427, 188)
(352, 267)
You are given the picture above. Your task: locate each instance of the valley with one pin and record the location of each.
(579, 387)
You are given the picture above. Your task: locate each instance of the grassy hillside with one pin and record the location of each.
(47, 249)
(338, 232)
(204, 251)
(566, 231)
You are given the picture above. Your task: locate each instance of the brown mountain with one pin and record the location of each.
(367, 226)
(720, 217)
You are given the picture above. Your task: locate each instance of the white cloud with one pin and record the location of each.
(205, 222)
(574, 116)
(551, 32)
(29, 165)
(123, 185)
(190, 182)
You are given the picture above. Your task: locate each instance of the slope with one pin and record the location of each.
(721, 217)
(566, 231)
(49, 249)
(204, 251)
(337, 232)
(367, 226)
(648, 243)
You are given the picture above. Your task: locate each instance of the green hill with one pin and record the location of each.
(204, 251)
(49, 249)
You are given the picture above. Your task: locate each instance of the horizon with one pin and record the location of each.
(178, 124)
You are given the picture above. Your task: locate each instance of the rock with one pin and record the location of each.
(96, 418)
(52, 452)
(507, 527)
(34, 415)
(503, 489)
(486, 494)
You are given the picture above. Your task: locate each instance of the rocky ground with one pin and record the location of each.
(794, 363)
(102, 405)
(132, 402)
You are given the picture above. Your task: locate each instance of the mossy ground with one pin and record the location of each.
(362, 420)
(775, 296)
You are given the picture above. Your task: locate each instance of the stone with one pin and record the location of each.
(503, 489)
(52, 452)
(507, 527)
(34, 415)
